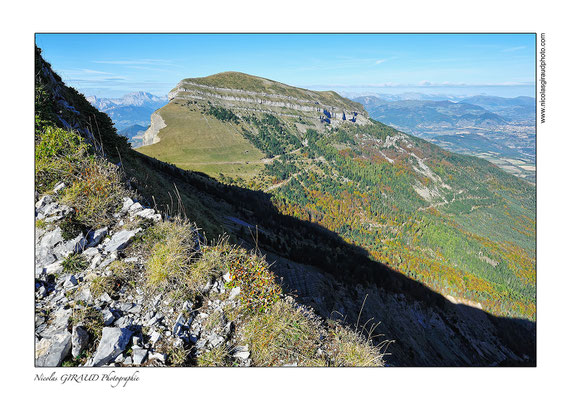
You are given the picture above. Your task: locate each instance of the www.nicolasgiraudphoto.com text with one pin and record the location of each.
(542, 80)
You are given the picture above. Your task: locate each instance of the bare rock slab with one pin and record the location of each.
(113, 342)
(120, 240)
(50, 352)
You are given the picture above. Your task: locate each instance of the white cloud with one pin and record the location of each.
(510, 49)
(135, 62)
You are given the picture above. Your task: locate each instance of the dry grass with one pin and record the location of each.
(122, 275)
(283, 335)
(210, 265)
(350, 349)
(95, 193)
(216, 357)
(170, 249)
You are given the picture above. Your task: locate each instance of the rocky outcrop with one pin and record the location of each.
(134, 329)
(308, 104)
(151, 135)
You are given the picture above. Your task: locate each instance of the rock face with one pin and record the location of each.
(151, 135)
(427, 333)
(270, 97)
(120, 240)
(79, 340)
(51, 352)
(113, 342)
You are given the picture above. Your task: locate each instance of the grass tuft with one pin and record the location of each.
(283, 335)
(123, 275)
(96, 193)
(216, 357)
(74, 263)
(170, 249)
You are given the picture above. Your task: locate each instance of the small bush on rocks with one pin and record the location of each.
(251, 274)
(101, 284)
(59, 156)
(96, 193)
(178, 357)
(74, 263)
(122, 275)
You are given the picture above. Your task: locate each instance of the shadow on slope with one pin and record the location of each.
(339, 280)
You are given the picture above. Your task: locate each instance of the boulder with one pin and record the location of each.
(233, 293)
(44, 256)
(127, 203)
(120, 240)
(52, 238)
(139, 355)
(108, 317)
(149, 213)
(60, 186)
(242, 355)
(79, 340)
(50, 352)
(54, 212)
(135, 208)
(113, 342)
(59, 321)
(95, 237)
(90, 253)
(159, 357)
(155, 336)
(54, 268)
(43, 202)
(72, 246)
(70, 282)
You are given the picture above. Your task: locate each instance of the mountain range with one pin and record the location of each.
(360, 222)
(130, 110)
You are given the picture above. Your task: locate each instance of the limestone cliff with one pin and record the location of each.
(151, 135)
(230, 90)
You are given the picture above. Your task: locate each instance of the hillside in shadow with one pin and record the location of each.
(339, 280)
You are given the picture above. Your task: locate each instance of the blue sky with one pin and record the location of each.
(111, 65)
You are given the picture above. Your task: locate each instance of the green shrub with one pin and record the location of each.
(74, 263)
(257, 284)
(59, 155)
